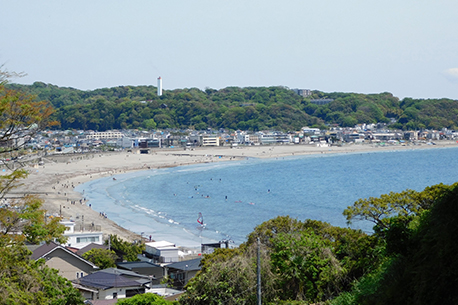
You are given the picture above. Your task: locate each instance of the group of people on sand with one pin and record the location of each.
(82, 201)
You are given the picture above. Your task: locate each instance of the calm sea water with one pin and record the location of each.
(234, 197)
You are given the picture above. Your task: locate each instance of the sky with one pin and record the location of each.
(408, 47)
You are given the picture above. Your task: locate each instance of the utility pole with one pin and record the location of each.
(259, 273)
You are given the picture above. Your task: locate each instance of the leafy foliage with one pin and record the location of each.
(21, 117)
(307, 268)
(301, 261)
(24, 220)
(251, 108)
(102, 258)
(228, 276)
(406, 204)
(124, 250)
(144, 299)
(420, 265)
(23, 281)
(270, 228)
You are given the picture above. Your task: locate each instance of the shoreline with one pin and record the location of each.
(55, 181)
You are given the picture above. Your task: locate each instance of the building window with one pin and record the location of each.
(87, 239)
(132, 292)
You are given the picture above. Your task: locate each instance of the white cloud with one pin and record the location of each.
(451, 74)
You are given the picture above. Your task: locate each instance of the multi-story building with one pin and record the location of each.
(83, 237)
(303, 92)
(105, 135)
(209, 140)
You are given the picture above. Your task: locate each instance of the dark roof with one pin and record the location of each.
(137, 265)
(32, 247)
(43, 250)
(90, 247)
(104, 280)
(125, 273)
(48, 248)
(193, 264)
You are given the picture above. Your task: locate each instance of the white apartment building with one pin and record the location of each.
(211, 141)
(105, 135)
(82, 238)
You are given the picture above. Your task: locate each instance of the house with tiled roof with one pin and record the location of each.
(181, 272)
(90, 247)
(69, 264)
(112, 284)
(154, 271)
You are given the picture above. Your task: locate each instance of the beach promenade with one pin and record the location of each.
(55, 180)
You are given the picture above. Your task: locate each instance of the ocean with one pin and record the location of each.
(234, 197)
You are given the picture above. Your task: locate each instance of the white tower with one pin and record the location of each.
(159, 86)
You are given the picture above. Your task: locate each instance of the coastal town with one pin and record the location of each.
(74, 141)
(228, 153)
(58, 161)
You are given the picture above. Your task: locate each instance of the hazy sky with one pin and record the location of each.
(407, 47)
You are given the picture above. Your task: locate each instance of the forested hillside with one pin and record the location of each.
(260, 108)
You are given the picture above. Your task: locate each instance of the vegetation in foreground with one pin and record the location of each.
(145, 299)
(22, 220)
(120, 251)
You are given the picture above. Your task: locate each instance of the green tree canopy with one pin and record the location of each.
(144, 299)
(252, 108)
(22, 280)
(420, 265)
(306, 266)
(124, 250)
(229, 276)
(301, 261)
(102, 258)
(405, 204)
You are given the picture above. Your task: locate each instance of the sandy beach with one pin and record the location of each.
(55, 181)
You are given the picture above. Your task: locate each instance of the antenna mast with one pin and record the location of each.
(259, 273)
